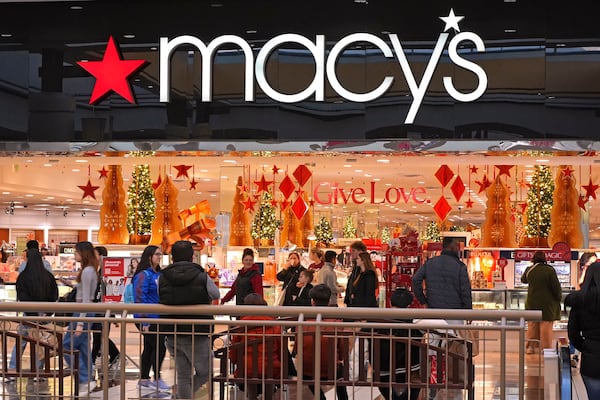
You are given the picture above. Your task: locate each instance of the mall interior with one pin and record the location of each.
(287, 126)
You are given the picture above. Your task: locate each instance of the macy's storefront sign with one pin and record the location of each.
(325, 65)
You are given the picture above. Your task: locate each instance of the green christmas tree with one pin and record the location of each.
(539, 203)
(140, 203)
(264, 224)
(349, 227)
(323, 231)
(385, 234)
(432, 232)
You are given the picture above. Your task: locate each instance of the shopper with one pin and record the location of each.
(328, 276)
(447, 280)
(355, 248)
(249, 280)
(394, 353)
(303, 286)
(35, 283)
(584, 262)
(145, 291)
(34, 245)
(317, 262)
(97, 327)
(186, 283)
(320, 295)
(364, 285)
(543, 293)
(289, 276)
(77, 336)
(584, 328)
(242, 350)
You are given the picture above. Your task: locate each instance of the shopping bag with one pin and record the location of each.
(281, 299)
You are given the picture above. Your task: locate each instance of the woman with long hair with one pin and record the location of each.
(249, 280)
(35, 283)
(78, 333)
(584, 328)
(316, 263)
(289, 276)
(145, 291)
(364, 284)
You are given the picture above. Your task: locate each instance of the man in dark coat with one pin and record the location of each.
(185, 283)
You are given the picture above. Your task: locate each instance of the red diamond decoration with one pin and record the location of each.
(299, 208)
(442, 208)
(287, 187)
(444, 174)
(302, 174)
(458, 188)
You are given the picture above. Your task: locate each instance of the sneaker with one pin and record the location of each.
(114, 363)
(39, 379)
(162, 385)
(146, 384)
(10, 379)
(86, 388)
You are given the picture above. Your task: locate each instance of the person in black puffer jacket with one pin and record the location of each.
(584, 328)
(185, 283)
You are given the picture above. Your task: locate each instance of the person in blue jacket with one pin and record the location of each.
(145, 289)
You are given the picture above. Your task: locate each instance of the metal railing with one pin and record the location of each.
(501, 337)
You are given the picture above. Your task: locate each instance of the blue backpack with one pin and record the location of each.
(128, 296)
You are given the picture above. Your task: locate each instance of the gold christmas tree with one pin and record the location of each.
(113, 214)
(498, 228)
(240, 227)
(565, 217)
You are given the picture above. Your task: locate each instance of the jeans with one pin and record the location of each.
(592, 386)
(23, 331)
(192, 354)
(81, 343)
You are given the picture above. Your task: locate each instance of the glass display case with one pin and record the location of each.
(515, 300)
(489, 299)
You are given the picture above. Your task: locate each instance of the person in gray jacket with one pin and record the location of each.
(447, 280)
(328, 276)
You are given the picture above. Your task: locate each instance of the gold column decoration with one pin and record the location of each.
(291, 229)
(240, 226)
(498, 229)
(565, 217)
(166, 222)
(113, 214)
(306, 223)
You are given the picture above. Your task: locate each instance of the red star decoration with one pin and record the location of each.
(263, 184)
(473, 169)
(567, 171)
(243, 188)
(483, 184)
(590, 190)
(182, 170)
(111, 73)
(248, 204)
(523, 183)
(193, 183)
(88, 190)
(274, 203)
(311, 203)
(581, 202)
(156, 184)
(523, 207)
(469, 203)
(299, 191)
(103, 173)
(504, 169)
(275, 170)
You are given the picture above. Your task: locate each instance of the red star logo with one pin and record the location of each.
(590, 190)
(469, 203)
(263, 184)
(248, 204)
(103, 173)
(581, 202)
(88, 190)
(111, 73)
(567, 171)
(504, 169)
(473, 169)
(156, 184)
(182, 170)
(193, 183)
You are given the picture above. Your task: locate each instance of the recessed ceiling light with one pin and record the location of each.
(348, 182)
(69, 200)
(358, 170)
(250, 31)
(5, 35)
(230, 161)
(76, 7)
(5, 192)
(75, 170)
(153, 48)
(376, 179)
(206, 179)
(203, 170)
(542, 160)
(28, 195)
(81, 161)
(421, 182)
(347, 165)
(47, 165)
(129, 36)
(213, 195)
(383, 160)
(29, 161)
(224, 177)
(510, 30)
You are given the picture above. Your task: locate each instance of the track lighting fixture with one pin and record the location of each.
(83, 213)
(65, 213)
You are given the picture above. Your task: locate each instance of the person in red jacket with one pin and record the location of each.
(249, 280)
(264, 340)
